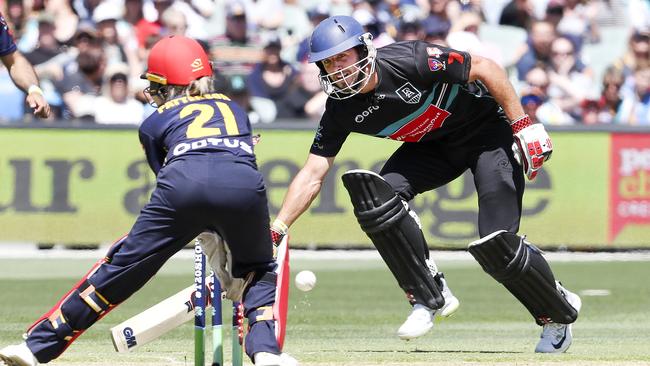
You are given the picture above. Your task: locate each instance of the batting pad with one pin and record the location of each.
(522, 269)
(395, 234)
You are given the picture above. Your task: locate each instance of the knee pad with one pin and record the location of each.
(522, 269)
(395, 233)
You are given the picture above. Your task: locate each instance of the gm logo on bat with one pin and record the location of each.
(130, 338)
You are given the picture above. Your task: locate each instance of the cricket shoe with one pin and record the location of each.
(556, 337)
(269, 359)
(421, 319)
(17, 355)
(451, 301)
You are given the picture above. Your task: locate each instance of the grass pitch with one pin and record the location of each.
(351, 316)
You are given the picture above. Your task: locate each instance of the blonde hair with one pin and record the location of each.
(201, 86)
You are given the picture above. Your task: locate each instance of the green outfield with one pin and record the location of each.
(350, 318)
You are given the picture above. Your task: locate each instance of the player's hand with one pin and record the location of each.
(532, 146)
(278, 231)
(37, 102)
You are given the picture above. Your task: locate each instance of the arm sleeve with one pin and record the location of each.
(155, 155)
(329, 138)
(7, 44)
(441, 64)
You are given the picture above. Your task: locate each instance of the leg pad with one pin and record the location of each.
(396, 235)
(522, 269)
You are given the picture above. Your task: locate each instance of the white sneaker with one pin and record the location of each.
(17, 355)
(451, 301)
(270, 359)
(418, 323)
(556, 337)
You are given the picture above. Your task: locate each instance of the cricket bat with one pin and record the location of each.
(156, 321)
(179, 309)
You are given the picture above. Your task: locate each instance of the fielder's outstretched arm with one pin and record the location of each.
(304, 188)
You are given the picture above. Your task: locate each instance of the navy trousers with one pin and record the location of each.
(192, 194)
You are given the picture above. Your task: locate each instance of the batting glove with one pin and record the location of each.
(278, 230)
(532, 146)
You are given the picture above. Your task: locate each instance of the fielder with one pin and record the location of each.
(21, 72)
(453, 111)
(199, 144)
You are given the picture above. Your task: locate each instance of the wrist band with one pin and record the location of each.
(35, 89)
(520, 123)
(279, 224)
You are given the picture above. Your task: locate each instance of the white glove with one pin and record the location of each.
(220, 259)
(532, 146)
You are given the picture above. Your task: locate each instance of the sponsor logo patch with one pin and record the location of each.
(455, 57)
(431, 119)
(435, 65)
(434, 51)
(409, 93)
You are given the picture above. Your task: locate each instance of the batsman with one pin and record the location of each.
(199, 145)
(452, 111)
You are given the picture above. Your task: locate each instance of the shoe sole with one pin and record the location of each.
(407, 337)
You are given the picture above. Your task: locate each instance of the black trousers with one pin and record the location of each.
(499, 180)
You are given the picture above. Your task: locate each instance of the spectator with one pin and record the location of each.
(174, 22)
(374, 26)
(535, 99)
(410, 30)
(578, 20)
(438, 22)
(194, 11)
(635, 106)
(17, 17)
(295, 27)
(637, 55)
(306, 98)
(464, 36)
(610, 99)
(66, 20)
(259, 110)
(47, 59)
(316, 15)
(571, 80)
(272, 78)
(116, 105)
(436, 30)
(236, 51)
(81, 88)
(537, 48)
(106, 16)
(518, 13)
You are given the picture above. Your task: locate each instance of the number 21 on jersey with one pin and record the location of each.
(196, 129)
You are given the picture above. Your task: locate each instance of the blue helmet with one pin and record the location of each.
(335, 35)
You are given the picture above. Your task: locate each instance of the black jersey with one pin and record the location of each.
(199, 125)
(422, 94)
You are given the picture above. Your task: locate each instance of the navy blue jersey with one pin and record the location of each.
(199, 125)
(7, 44)
(423, 94)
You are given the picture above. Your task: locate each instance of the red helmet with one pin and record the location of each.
(177, 60)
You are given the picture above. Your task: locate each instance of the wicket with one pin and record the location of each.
(201, 303)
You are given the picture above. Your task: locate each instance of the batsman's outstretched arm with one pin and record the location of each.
(304, 188)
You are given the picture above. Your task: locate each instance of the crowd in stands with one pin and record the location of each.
(89, 54)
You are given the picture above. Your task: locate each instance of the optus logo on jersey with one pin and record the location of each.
(184, 147)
